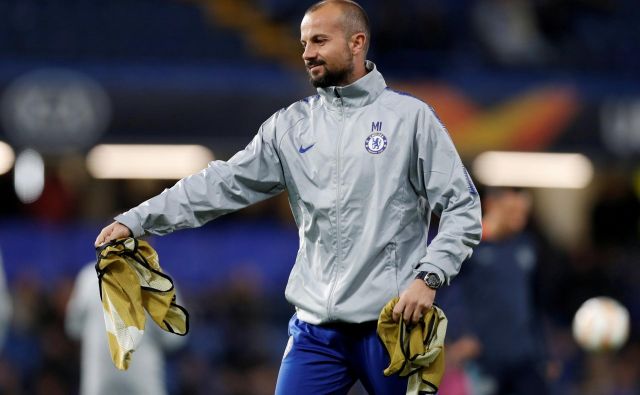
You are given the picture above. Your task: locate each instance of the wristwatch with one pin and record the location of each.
(432, 279)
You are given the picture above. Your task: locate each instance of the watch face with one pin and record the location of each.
(433, 280)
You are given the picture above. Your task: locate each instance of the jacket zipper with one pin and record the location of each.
(338, 232)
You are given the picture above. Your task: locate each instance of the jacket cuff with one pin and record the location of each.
(134, 226)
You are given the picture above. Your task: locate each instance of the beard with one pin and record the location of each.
(337, 77)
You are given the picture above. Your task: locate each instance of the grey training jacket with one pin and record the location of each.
(365, 167)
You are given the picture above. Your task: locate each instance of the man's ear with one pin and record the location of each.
(358, 43)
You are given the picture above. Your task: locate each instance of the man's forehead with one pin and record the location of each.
(323, 20)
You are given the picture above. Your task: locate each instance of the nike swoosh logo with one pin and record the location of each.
(302, 149)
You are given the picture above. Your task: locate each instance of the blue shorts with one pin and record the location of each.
(329, 359)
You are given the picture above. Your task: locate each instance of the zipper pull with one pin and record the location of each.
(337, 93)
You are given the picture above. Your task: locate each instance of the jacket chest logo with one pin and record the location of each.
(376, 142)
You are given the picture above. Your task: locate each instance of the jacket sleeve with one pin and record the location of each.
(251, 175)
(442, 180)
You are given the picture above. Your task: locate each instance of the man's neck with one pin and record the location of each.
(359, 71)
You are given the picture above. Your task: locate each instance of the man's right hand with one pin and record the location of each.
(112, 232)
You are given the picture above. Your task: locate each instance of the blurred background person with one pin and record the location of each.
(494, 317)
(5, 304)
(98, 376)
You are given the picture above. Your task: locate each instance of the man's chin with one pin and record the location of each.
(318, 80)
(325, 79)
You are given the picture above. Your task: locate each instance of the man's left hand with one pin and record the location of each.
(414, 302)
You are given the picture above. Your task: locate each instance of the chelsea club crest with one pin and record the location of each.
(376, 143)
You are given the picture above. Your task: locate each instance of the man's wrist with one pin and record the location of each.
(130, 223)
(431, 279)
(127, 228)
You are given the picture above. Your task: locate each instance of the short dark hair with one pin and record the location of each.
(356, 19)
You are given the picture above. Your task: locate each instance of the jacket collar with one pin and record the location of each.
(357, 94)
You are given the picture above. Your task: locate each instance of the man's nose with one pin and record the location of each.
(309, 52)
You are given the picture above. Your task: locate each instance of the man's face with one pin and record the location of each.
(513, 208)
(327, 55)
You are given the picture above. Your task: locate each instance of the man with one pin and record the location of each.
(364, 168)
(84, 321)
(493, 302)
